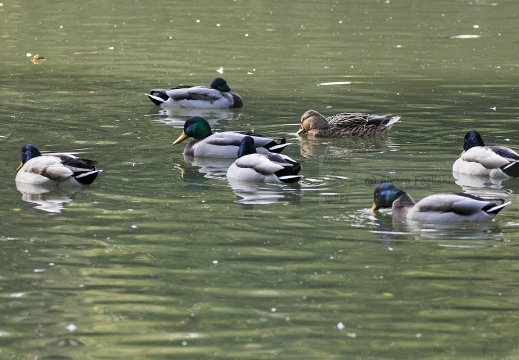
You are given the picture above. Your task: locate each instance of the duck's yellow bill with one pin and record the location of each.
(180, 138)
(374, 207)
(19, 166)
(301, 131)
(463, 152)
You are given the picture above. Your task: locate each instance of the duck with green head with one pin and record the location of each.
(345, 124)
(55, 169)
(217, 95)
(480, 160)
(436, 208)
(224, 144)
(253, 167)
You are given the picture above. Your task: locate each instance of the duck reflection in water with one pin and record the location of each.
(203, 168)
(177, 116)
(486, 186)
(393, 230)
(47, 198)
(249, 194)
(313, 147)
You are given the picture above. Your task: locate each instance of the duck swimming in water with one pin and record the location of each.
(217, 95)
(345, 124)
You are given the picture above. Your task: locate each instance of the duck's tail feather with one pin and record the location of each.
(290, 171)
(392, 120)
(497, 208)
(511, 169)
(88, 177)
(276, 145)
(158, 96)
(290, 178)
(155, 99)
(278, 148)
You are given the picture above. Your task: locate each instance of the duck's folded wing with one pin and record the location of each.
(225, 138)
(73, 161)
(56, 172)
(468, 205)
(505, 152)
(259, 163)
(485, 156)
(235, 138)
(464, 204)
(194, 93)
(461, 204)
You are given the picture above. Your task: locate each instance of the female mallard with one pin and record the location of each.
(269, 167)
(224, 144)
(55, 169)
(345, 124)
(480, 160)
(440, 207)
(217, 96)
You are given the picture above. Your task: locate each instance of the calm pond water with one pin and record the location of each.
(163, 258)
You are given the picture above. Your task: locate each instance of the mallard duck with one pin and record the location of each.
(269, 167)
(480, 160)
(217, 96)
(224, 144)
(55, 169)
(440, 207)
(345, 124)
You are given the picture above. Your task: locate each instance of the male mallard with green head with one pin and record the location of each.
(55, 169)
(436, 208)
(224, 144)
(480, 160)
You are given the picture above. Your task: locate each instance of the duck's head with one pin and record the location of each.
(310, 120)
(220, 85)
(195, 127)
(472, 139)
(246, 147)
(385, 194)
(29, 151)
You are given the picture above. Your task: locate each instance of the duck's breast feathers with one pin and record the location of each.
(476, 169)
(486, 156)
(44, 170)
(237, 101)
(470, 168)
(207, 148)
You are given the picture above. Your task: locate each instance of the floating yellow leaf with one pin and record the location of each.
(36, 59)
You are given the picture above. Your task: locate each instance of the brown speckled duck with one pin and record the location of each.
(345, 124)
